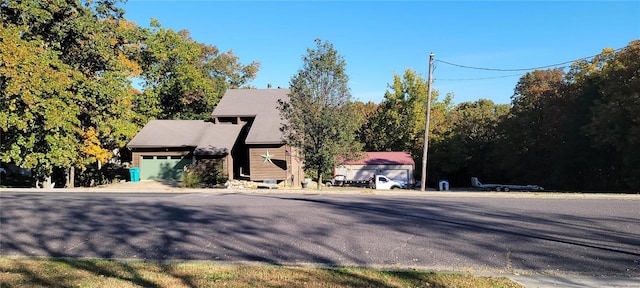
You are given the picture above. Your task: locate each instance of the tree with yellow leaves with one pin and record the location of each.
(65, 88)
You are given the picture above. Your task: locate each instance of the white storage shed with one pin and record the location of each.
(398, 166)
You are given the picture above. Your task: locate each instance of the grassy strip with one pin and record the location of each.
(105, 273)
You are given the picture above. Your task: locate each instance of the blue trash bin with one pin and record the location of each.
(134, 174)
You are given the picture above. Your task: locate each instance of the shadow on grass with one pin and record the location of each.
(111, 269)
(106, 273)
(67, 273)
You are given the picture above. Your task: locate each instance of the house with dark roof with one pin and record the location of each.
(243, 133)
(395, 165)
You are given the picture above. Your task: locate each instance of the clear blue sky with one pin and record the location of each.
(380, 38)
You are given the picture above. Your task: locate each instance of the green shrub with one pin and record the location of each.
(190, 179)
(203, 173)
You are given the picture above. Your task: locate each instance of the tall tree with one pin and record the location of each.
(367, 111)
(98, 45)
(615, 122)
(320, 117)
(399, 122)
(536, 126)
(576, 130)
(401, 115)
(108, 121)
(578, 164)
(185, 79)
(90, 53)
(38, 110)
(473, 145)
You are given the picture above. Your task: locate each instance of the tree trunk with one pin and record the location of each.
(71, 177)
(47, 182)
(36, 178)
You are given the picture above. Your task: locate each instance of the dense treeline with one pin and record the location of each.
(66, 71)
(575, 130)
(68, 100)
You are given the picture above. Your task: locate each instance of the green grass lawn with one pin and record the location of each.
(106, 273)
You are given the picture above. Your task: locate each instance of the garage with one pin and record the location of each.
(398, 166)
(398, 174)
(163, 167)
(164, 147)
(366, 172)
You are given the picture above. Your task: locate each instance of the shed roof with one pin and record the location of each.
(383, 158)
(259, 103)
(207, 138)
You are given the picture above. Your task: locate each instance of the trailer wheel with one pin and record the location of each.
(506, 189)
(498, 189)
(328, 184)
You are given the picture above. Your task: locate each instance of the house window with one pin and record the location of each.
(147, 157)
(161, 157)
(176, 157)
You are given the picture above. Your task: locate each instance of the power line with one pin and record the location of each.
(508, 70)
(520, 69)
(484, 78)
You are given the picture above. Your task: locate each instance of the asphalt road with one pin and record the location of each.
(566, 235)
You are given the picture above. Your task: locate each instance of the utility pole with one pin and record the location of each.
(423, 183)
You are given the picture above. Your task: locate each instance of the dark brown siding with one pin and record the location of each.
(276, 169)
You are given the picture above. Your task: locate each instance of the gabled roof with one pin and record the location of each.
(207, 138)
(217, 139)
(259, 103)
(383, 158)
